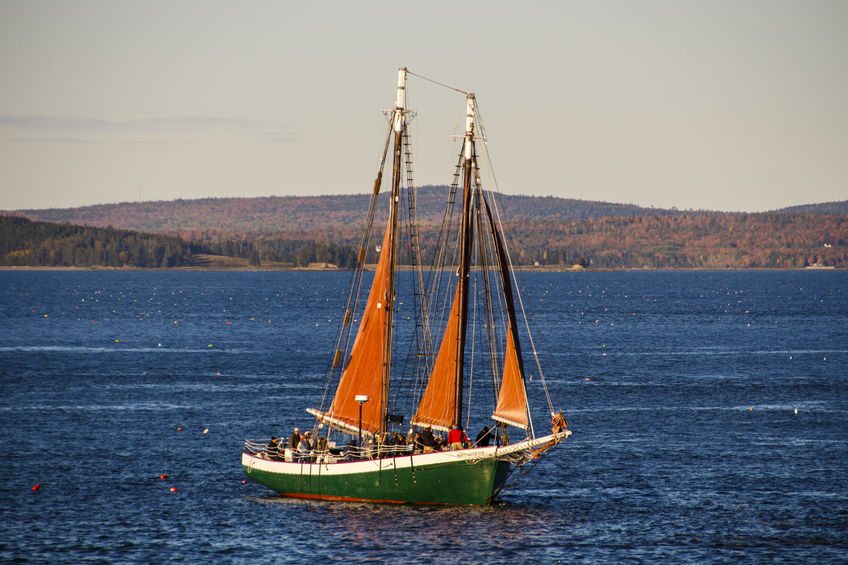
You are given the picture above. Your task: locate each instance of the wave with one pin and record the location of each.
(698, 352)
(148, 406)
(78, 349)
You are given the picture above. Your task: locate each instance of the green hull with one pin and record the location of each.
(454, 482)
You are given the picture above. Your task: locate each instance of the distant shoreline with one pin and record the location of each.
(370, 268)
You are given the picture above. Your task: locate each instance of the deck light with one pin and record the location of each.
(361, 399)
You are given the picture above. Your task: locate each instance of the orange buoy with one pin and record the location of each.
(36, 487)
(173, 489)
(244, 481)
(163, 476)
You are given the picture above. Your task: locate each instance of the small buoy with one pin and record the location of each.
(163, 476)
(179, 428)
(45, 316)
(36, 487)
(795, 410)
(217, 373)
(117, 340)
(173, 489)
(205, 430)
(244, 481)
(159, 344)
(210, 345)
(587, 378)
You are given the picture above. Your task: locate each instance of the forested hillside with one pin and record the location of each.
(305, 215)
(543, 231)
(840, 207)
(694, 240)
(40, 244)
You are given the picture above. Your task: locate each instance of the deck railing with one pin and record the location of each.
(331, 454)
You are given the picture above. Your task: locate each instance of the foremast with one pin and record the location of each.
(367, 372)
(398, 127)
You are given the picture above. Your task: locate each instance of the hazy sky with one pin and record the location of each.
(732, 105)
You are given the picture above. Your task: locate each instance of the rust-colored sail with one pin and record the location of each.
(437, 407)
(363, 374)
(512, 399)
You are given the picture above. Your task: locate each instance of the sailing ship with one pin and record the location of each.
(469, 279)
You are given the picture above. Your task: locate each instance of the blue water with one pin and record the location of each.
(681, 388)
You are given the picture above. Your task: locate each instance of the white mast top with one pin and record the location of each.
(469, 124)
(400, 105)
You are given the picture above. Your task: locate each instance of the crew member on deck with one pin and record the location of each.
(560, 424)
(456, 438)
(294, 440)
(273, 449)
(304, 447)
(483, 437)
(427, 440)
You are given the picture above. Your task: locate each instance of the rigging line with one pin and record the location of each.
(526, 321)
(482, 252)
(471, 356)
(342, 341)
(449, 87)
(411, 369)
(417, 256)
(439, 303)
(509, 259)
(423, 338)
(344, 335)
(509, 317)
(449, 242)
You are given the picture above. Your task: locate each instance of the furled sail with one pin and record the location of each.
(512, 399)
(437, 406)
(363, 375)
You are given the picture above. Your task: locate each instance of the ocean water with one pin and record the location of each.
(709, 410)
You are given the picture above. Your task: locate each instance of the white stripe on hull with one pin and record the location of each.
(418, 460)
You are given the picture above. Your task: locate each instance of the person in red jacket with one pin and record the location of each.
(456, 438)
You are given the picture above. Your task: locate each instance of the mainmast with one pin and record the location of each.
(465, 257)
(441, 404)
(398, 125)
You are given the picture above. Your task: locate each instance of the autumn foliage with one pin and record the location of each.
(543, 231)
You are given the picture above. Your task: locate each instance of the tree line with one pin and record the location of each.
(682, 240)
(42, 244)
